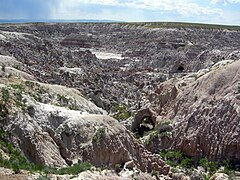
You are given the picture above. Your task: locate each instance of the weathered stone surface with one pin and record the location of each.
(57, 136)
(181, 75)
(219, 176)
(206, 117)
(149, 56)
(142, 114)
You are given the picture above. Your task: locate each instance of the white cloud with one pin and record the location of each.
(225, 1)
(183, 7)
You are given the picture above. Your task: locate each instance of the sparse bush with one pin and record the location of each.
(43, 177)
(41, 90)
(62, 99)
(3, 103)
(99, 135)
(228, 168)
(75, 169)
(18, 87)
(29, 84)
(74, 106)
(165, 134)
(150, 138)
(154, 173)
(208, 165)
(17, 162)
(5, 95)
(121, 112)
(213, 167)
(176, 158)
(186, 162)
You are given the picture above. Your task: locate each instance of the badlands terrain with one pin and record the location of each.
(119, 101)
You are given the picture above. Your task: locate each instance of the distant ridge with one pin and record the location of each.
(13, 21)
(152, 24)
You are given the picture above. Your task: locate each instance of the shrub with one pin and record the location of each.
(75, 169)
(5, 94)
(228, 168)
(17, 161)
(99, 135)
(18, 87)
(29, 83)
(208, 165)
(62, 99)
(176, 158)
(43, 177)
(151, 136)
(186, 162)
(121, 112)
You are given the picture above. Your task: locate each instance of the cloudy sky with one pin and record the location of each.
(206, 11)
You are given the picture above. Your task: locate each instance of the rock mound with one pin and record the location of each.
(58, 136)
(206, 115)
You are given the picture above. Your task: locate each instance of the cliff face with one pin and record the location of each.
(204, 114)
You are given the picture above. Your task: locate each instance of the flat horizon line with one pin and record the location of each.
(22, 20)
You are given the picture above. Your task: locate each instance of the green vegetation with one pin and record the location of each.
(154, 173)
(212, 167)
(5, 95)
(62, 99)
(75, 169)
(18, 162)
(176, 158)
(18, 87)
(29, 84)
(99, 135)
(121, 112)
(3, 103)
(67, 102)
(35, 90)
(43, 177)
(150, 137)
(208, 165)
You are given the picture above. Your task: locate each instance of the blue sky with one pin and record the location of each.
(206, 11)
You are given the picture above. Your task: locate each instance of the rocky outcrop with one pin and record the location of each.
(55, 136)
(80, 40)
(108, 175)
(147, 116)
(219, 176)
(206, 115)
(58, 136)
